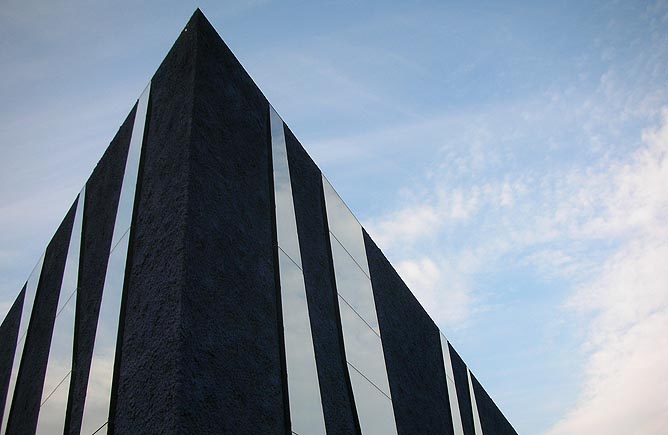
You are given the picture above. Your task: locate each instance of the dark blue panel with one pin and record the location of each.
(30, 381)
(230, 351)
(462, 383)
(9, 331)
(412, 347)
(340, 417)
(102, 192)
(149, 345)
(491, 418)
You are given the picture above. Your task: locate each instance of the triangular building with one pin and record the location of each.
(208, 279)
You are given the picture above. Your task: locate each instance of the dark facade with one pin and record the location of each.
(209, 280)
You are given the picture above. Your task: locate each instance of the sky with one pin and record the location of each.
(510, 158)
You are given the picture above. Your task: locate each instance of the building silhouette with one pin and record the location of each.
(208, 279)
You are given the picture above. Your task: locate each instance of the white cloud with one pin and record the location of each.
(440, 287)
(600, 227)
(625, 384)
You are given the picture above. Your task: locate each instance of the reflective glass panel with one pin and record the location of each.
(345, 227)
(303, 388)
(354, 285)
(129, 184)
(52, 412)
(306, 413)
(474, 406)
(98, 394)
(375, 411)
(452, 389)
(286, 225)
(26, 311)
(364, 349)
(52, 416)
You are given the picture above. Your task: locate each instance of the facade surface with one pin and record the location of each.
(208, 279)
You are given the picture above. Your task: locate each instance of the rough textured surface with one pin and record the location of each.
(306, 180)
(199, 344)
(411, 344)
(30, 381)
(102, 193)
(231, 356)
(491, 418)
(9, 331)
(147, 368)
(461, 382)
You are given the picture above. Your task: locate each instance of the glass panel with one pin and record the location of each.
(452, 389)
(28, 301)
(344, 225)
(71, 273)
(474, 406)
(129, 184)
(52, 412)
(364, 349)
(375, 411)
(303, 387)
(306, 413)
(59, 366)
(286, 225)
(354, 285)
(98, 394)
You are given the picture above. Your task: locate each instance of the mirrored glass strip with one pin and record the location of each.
(306, 414)
(359, 321)
(474, 406)
(364, 349)
(26, 312)
(452, 388)
(374, 410)
(98, 393)
(345, 226)
(286, 224)
(353, 285)
(52, 416)
(129, 183)
(52, 412)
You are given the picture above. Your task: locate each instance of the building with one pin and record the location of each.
(209, 280)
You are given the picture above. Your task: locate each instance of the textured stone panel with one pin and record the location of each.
(411, 344)
(30, 381)
(306, 178)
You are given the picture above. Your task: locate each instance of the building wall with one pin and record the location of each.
(200, 343)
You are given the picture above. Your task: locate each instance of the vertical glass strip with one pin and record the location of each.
(286, 224)
(98, 393)
(373, 408)
(26, 312)
(359, 320)
(59, 367)
(364, 349)
(452, 388)
(474, 406)
(344, 226)
(353, 285)
(129, 183)
(306, 414)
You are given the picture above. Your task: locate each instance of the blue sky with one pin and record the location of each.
(511, 158)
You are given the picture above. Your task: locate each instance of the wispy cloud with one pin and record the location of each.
(627, 346)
